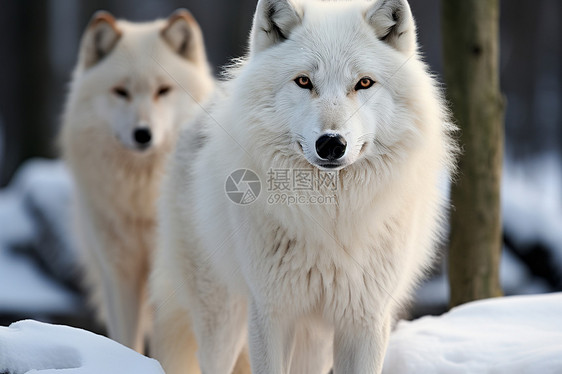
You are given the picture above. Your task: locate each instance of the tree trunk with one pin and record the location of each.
(471, 65)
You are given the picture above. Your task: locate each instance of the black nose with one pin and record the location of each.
(142, 136)
(330, 147)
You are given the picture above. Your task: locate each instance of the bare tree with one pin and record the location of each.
(471, 67)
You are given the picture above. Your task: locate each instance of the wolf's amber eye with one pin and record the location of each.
(121, 92)
(163, 90)
(304, 82)
(364, 83)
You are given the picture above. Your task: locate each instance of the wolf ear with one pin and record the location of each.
(183, 34)
(273, 22)
(100, 37)
(394, 24)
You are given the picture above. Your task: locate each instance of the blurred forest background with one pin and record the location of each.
(39, 42)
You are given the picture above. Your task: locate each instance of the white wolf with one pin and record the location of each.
(331, 87)
(135, 84)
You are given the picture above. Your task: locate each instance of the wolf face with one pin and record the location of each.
(336, 74)
(136, 79)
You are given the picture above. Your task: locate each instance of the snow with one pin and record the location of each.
(47, 194)
(511, 335)
(515, 335)
(35, 347)
(532, 201)
(24, 288)
(516, 279)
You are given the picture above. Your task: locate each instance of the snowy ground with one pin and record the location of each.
(511, 335)
(532, 201)
(41, 188)
(34, 347)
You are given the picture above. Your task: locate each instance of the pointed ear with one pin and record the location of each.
(100, 37)
(273, 22)
(394, 24)
(183, 34)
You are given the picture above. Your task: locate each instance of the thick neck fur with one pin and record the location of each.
(130, 179)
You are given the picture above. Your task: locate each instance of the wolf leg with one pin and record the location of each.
(124, 295)
(360, 350)
(172, 342)
(219, 322)
(123, 303)
(271, 341)
(313, 350)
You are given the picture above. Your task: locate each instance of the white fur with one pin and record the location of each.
(117, 184)
(307, 280)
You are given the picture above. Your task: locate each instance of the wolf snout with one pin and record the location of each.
(142, 137)
(331, 147)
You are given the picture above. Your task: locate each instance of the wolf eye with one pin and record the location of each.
(121, 92)
(163, 90)
(304, 82)
(364, 83)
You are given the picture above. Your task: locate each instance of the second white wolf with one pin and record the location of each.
(329, 86)
(134, 86)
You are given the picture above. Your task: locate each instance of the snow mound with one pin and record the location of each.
(532, 214)
(35, 347)
(38, 194)
(532, 201)
(515, 335)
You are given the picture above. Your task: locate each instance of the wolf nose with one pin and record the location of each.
(142, 136)
(331, 147)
